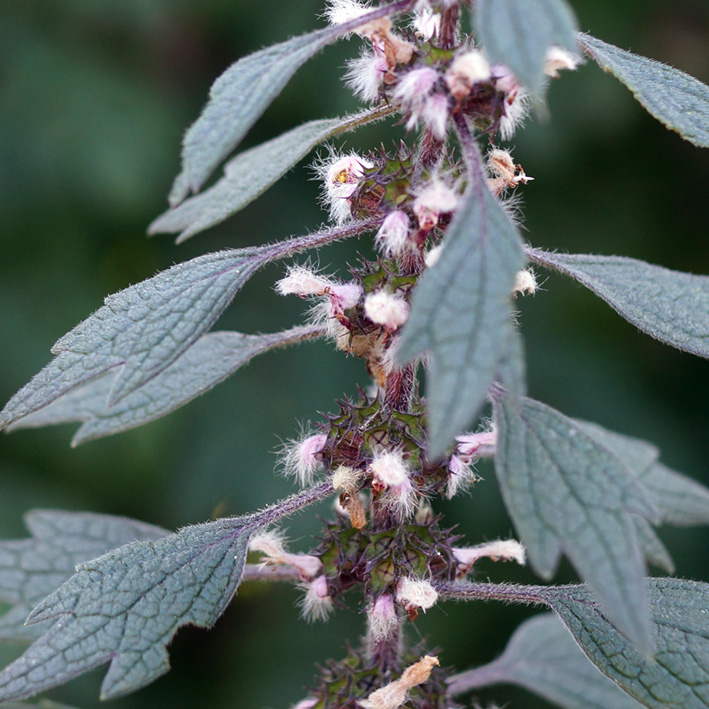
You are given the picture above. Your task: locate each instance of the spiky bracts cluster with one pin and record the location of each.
(352, 683)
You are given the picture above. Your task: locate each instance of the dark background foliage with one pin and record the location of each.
(95, 98)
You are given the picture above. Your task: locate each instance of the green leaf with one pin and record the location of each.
(677, 100)
(125, 607)
(145, 328)
(671, 306)
(518, 33)
(678, 673)
(653, 548)
(30, 569)
(676, 676)
(460, 312)
(543, 658)
(251, 173)
(242, 93)
(567, 493)
(212, 359)
(679, 500)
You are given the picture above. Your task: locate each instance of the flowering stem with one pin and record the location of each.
(386, 653)
(449, 27)
(400, 388)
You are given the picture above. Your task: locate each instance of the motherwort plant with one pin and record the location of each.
(440, 210)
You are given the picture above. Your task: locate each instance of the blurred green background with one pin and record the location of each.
(95, 97)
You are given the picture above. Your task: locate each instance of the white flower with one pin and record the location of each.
(557, 59)
(433, 255)
(382, 620)
(435, 115)
(386, 309)
(272, 544)
(467, 70)
(516, 103)
(393, 235)
(416, 593)
(525, 282)
(347, 479)
(365, 75)
(392, 476)
(317, 603)
(338, 12)
(303, 281)
(306, 704)
(505, 549)
(477, 444)
(435, 199)
(426, 23)
(301, 459)
(413, 90)
(341, 176)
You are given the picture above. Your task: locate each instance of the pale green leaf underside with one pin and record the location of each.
(677, 676)
(250, 174)
(518, 33)
(212, 359)
(460, 313)
(31, 569)
(143, 329)
(124, 607)
(567, 493)
(655, 551)
(677, 100)
(679, 500)
(671, 306)
(543, 658)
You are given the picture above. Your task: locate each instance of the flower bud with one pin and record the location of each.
(525, 282)
(382, 620)
(386, 309)
(391, 475)
(507, 550)
(393, 235)
(467, 70)
(317, 603)
(416, 593)
(557, 59)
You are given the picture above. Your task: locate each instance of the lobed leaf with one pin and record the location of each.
(251, 173)
(243, 92)
(30, 569)
(543, 658)
(670, 306)
(212, 359)
(146, 327)
(676, 675)
(567, 493)
(460, 311)
(518, 33)
(679, 500)
(652, 546)
(677, 100)
(125, 606)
